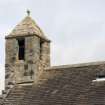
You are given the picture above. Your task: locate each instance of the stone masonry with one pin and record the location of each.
(30, 80)
(37, 53)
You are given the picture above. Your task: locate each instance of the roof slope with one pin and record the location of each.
(66, 86)
(27, 27)
(17, 94)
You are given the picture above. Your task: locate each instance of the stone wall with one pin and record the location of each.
(10, 63)
(46, 54)
(37, 57)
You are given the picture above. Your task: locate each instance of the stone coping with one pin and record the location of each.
(60, 67)
(26, 83)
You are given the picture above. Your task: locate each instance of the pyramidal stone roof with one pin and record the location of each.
(27, 27)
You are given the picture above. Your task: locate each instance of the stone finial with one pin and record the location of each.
(28, 12)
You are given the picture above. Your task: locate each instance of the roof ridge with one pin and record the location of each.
(76, 65)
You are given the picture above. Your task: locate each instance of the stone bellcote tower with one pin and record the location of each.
(27, 53)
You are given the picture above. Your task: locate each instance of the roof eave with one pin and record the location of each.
(28, 35)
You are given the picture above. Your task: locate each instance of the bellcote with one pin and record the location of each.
(27, 53)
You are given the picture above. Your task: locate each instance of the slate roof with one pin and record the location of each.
(27, 27)
(63, 85)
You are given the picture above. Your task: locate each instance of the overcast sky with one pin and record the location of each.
(76, 28)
